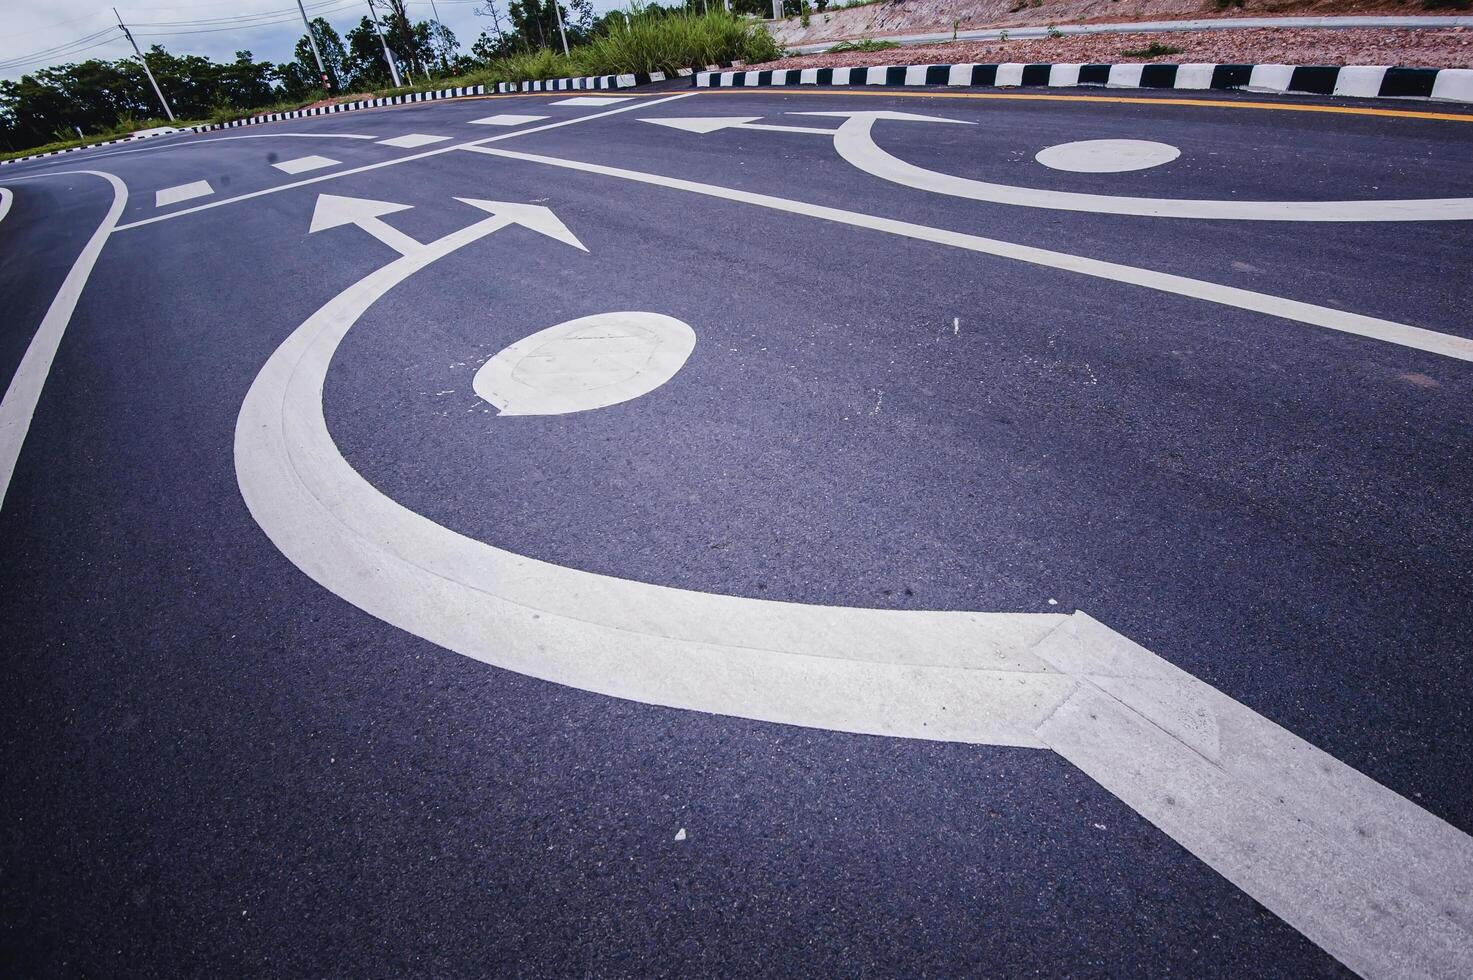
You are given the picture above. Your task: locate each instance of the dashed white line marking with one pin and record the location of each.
(410, 140)
(182, 192)
(590, 100)
(303, 164)
(506, 119)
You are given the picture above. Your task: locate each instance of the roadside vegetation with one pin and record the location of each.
(867, 44)
(43, 111)
(1153, 50)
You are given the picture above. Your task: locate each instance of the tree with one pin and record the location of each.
(299, 76)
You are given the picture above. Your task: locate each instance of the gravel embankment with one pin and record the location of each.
(1448, 48)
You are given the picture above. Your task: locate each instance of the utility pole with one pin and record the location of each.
(557, 9)
(146, 70)
(312, 40)
(439, 26)
(388, 55)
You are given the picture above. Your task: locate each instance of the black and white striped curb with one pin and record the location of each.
(92, 146)
(321, 110)
(1360, 81)
(589, 82)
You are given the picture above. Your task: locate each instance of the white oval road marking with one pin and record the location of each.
(590, 362)
(1107, 156)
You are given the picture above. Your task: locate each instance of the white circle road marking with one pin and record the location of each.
(1107, 156)
(590, 362)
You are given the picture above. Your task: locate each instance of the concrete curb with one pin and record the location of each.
(588, 82)
(1358, 81)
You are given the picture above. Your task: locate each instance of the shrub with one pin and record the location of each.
(1154, 50)
(867, 44)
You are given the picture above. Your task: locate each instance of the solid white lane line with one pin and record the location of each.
(506, 119)
(19, 404)
(397, 161)
(182, 192)
(1378, 882)
(304, 164)
(410, 140)
(1406, 335)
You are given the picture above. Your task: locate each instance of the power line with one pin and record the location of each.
(76, 46)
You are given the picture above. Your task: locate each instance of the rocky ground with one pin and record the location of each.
(925, 16)
(1449, 48)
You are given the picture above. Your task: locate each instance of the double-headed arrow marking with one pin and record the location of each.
(333, 211)
(854, 141)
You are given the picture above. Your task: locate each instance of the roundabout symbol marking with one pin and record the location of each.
(1378, 882)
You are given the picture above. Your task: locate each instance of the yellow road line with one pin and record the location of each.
(1039, 97)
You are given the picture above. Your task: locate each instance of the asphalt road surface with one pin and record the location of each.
(731, 629)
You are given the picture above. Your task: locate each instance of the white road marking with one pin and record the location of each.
(710, 124)
(19, 404)
(590, 100)
(332, 211)
(410, 140)
(680, 834)
(398, 161)
(506, 119)
(591, 362)
(1107, 156)
(304, 164)
(6, 196)
(158, 147)
(1378, 882)
(182, 192)
(855, 143)
(1389, 331)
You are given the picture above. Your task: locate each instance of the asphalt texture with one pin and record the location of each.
(212, 766)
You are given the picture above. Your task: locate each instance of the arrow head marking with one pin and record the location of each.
(332, 211)
(887, 114)
(532, 216)
(703, 124)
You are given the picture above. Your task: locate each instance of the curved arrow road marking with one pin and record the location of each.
(1378, 882)
(854, 140)
(19, 404)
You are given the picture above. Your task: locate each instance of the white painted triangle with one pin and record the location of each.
(680, 834)
(703, 124)
(887, 114)
(333, 210)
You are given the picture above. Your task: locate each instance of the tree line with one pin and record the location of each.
(100, 96)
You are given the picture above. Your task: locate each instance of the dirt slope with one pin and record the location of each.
(923, 16)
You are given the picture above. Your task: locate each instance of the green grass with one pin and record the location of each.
(1153, 50)
(642, 45)
(867, 44)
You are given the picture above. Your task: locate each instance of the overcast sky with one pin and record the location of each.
(35, 31)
